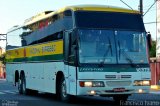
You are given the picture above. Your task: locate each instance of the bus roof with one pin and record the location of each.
(38, 17)
(98, 8)
(47, 14)
(14, 28)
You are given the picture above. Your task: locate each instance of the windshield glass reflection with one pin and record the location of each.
(131, 47)
(112, 47)
(97, 46)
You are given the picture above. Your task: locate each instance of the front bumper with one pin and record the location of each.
(110, 90)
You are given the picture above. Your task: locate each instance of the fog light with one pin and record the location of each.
(93, 92)
(140, 90)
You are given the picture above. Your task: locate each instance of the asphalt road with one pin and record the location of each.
(9, 96)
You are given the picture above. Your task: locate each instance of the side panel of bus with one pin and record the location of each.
(39, 76)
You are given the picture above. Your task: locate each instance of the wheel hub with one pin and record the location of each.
(64, 89)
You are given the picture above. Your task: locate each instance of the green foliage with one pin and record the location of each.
(3, 58)
(152, 51)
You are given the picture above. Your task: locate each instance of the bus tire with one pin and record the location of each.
(19, 86)
(63, 91)
(22, 85)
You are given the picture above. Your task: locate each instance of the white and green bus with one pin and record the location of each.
(80, 50)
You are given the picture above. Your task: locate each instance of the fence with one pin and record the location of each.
(2, 72)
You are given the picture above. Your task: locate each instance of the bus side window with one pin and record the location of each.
(68, 13)
(24, 43)
(60, 35)
(54, 18)
(60, 15)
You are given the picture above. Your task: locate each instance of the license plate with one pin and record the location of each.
(119, 89)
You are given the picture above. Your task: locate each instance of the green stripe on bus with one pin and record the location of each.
(38, 58)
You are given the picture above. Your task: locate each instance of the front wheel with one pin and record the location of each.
(63, 91)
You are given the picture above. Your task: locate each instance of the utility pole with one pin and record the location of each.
(141, 7)
(3, 37)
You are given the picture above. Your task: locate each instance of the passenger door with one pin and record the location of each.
(70, 69)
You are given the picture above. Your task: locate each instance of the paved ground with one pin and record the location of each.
(9, 96)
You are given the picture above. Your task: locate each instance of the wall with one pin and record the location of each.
(155, 71)
(2, 67)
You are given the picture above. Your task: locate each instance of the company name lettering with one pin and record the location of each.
(44, 49)
(91, 69)
(48, 48)
(142, 69)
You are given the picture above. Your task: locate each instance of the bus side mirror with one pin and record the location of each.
(74, 51)
(149, 40)
(76, 55)
(67, 45)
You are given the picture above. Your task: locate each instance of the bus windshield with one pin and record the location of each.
(112, 47)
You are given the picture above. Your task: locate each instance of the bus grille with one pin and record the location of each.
(118, 83)
(110, 76)
(118, 76)
(125, 76)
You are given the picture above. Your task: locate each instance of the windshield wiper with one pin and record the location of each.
(128, 59)
(106, 52)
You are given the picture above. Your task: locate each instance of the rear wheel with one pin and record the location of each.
(19, 86)
(22, 85)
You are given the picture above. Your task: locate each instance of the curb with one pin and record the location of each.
(2, 79)
(155, 92)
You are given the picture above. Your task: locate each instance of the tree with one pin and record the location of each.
(3, 58)
(152, 51)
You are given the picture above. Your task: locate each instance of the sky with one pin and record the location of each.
(14, 12)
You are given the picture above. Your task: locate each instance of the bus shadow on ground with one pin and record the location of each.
(78, 101)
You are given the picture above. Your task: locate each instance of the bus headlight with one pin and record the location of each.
(88, 84)
(146, 83)
(98, 84)
(91, 84)
(142, 83)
